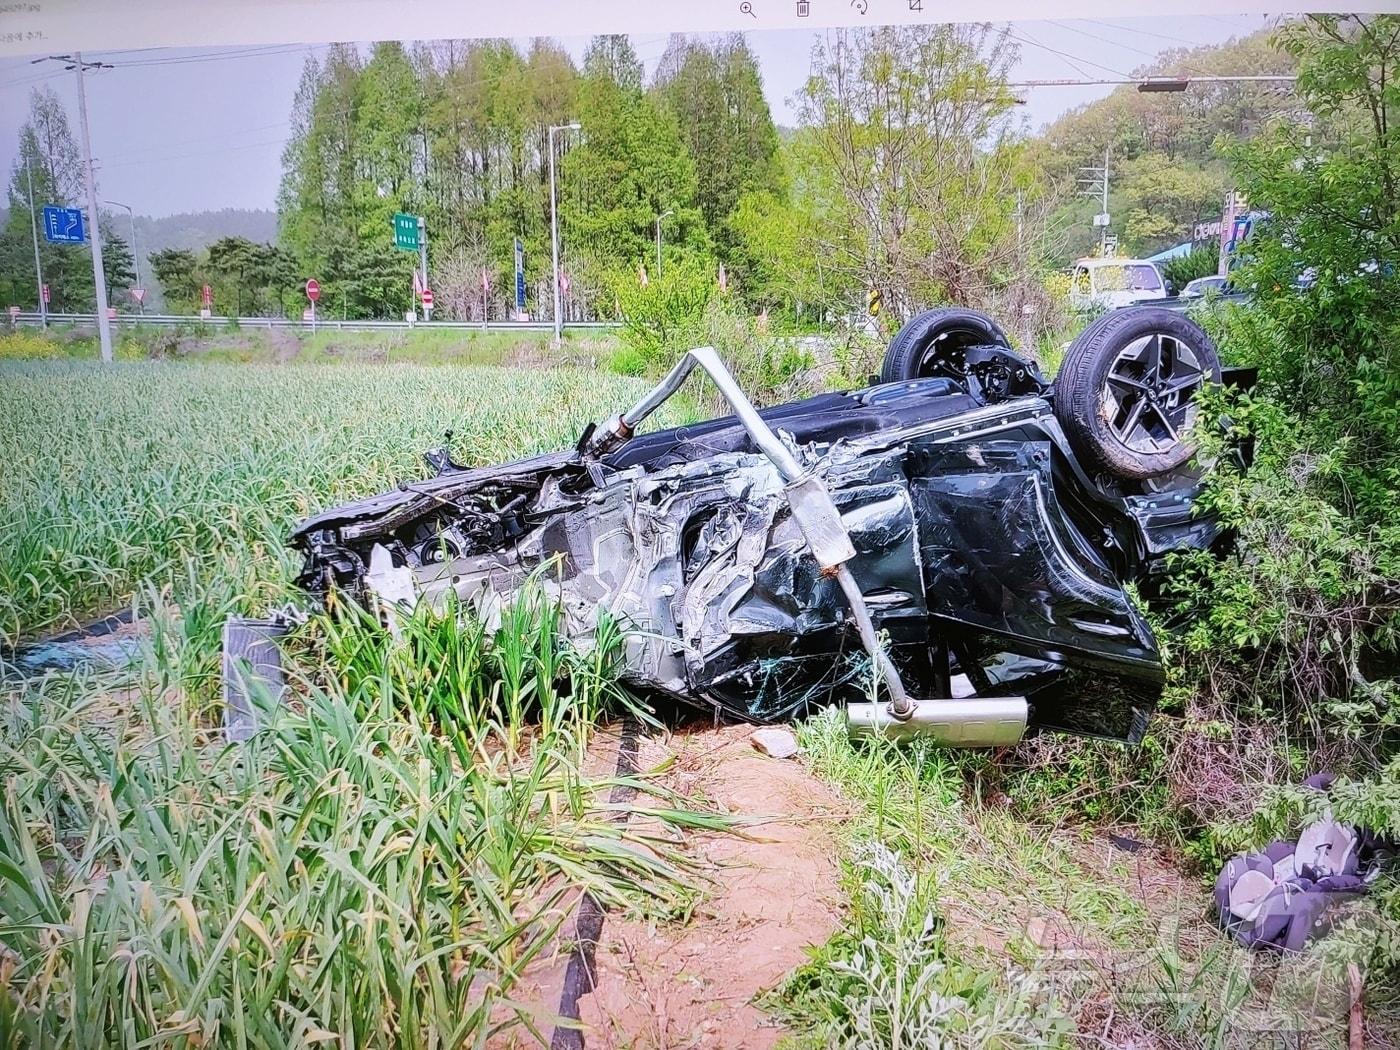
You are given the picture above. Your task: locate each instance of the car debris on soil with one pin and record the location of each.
(774, 742)
(1290, 892)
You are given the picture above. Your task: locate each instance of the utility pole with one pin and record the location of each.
(99, 276)
(38, 266)
(1093, 182)
(1103, 237)
(135, 254)
(663, 215)
(554, 233)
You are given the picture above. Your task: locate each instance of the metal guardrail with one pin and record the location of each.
(33, 319)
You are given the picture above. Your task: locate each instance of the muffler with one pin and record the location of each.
(975, 721)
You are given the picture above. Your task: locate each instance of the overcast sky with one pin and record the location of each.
(177, 130)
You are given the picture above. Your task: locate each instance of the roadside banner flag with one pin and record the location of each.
(723, 279)
(642, 275)
(563, 282)
(485, 280)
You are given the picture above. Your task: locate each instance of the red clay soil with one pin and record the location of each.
(774, 894)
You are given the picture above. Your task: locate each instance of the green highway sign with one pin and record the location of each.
(406, 231)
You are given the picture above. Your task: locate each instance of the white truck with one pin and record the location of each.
(1107, 284)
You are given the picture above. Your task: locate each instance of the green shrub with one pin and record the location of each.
(667, 312)
(685, 309)
(1301, 621)
(627, 361)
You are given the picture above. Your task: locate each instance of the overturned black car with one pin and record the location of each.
(945, 551)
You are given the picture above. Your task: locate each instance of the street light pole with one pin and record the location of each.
(99, 276)
(554, 233)
(38, 266)
(663, 215)
(135, 254)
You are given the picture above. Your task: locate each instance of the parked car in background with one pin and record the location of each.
(1108, 284)
(1214, 284)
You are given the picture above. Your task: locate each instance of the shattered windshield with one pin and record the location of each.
(1132, 277)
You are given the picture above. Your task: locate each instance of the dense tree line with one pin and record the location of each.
(906, 176)
(459, 132)
(903, 175)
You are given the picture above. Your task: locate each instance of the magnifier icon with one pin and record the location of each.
(746, 8)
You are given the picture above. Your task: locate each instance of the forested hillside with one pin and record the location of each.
(191, 231)
(1167, 168)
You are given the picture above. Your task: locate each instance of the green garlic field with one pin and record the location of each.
(126, 476)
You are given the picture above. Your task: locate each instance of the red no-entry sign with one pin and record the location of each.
(428, 298)
(313, 289)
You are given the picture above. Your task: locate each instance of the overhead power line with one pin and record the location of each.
(1072, 59)
(1163, 83)
(1144, 32)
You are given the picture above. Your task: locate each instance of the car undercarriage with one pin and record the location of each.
(946, 552)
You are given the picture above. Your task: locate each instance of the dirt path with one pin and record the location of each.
(772, 893)
(775, 894)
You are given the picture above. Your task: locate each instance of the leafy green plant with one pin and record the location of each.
(667, 311)
(354, 874)
(888, 979)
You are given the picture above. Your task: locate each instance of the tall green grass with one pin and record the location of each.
(118, 475)
(377, 868)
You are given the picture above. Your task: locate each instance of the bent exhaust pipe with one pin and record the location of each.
(807, 496)
(957, 723)
(994, 721)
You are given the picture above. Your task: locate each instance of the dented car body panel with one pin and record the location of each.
(990, 561)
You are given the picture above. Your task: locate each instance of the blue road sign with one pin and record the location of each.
(64, 225)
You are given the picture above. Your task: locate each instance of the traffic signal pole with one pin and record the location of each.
(99, 276)
(423, 263)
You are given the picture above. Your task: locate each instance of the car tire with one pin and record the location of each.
(929, 344)
(1126, 390)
